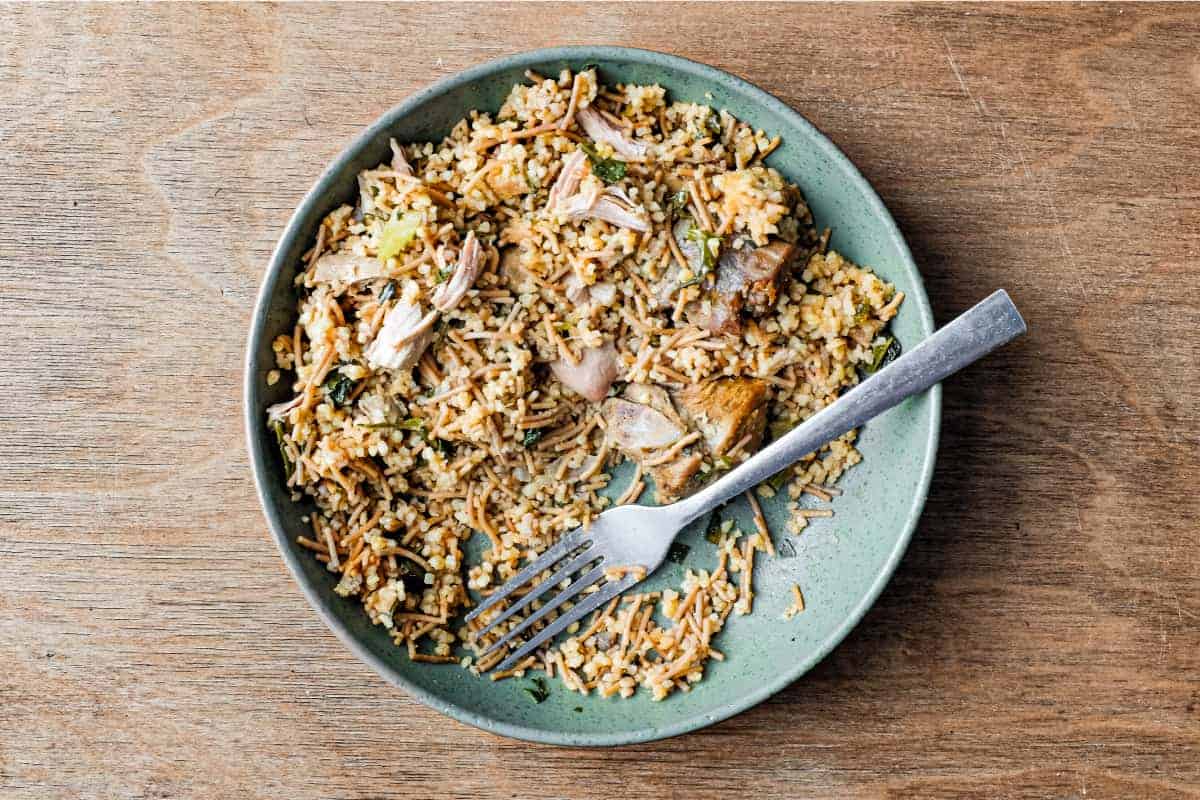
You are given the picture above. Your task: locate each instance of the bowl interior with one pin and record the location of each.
(841, 563)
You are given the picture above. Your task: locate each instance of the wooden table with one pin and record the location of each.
(1042, 636)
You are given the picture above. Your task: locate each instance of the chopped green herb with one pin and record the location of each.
(412, 424)
(777, 480)
(397, 234)
(713, 534)
(883, 354)
(678, 552)
(539, 691)
(339, 388)
(533, 436)
(679, 201)
(709, 244)
(443, 274)
(722, 463)
(388, 292)
(288, 466)
(609, 170)
(862, 313)
(712, 122)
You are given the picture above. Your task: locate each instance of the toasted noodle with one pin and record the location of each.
(460, 329)
(797, 603)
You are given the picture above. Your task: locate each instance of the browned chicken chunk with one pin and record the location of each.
(747, 279)
(726, 411)
(671, 480)
(642, 425)
(758, 273)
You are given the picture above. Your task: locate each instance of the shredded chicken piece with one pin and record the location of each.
(579, 205)
(403, 338)
(580, 200)
(470, 259)
(399, 162)
(573, 169)
(601, 130)
(603, 293)
(724, 413)
(645, 426)
(346, 267)
(637, 428)
(611, 205)
(593, 375)
(575, 289)
(579, 293)
(654, 396)
(279, 411)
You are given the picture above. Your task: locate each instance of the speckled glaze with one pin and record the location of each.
(842, 563)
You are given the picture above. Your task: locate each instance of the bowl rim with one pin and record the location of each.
(263, 471)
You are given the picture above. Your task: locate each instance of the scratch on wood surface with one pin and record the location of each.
(1020, 151)
(958, 74)
(1047, 196)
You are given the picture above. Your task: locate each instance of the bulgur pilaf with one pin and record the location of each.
(595, 274)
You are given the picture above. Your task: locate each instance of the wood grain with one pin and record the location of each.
(1041, 638)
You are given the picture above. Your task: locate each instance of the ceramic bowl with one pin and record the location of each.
(842, 563)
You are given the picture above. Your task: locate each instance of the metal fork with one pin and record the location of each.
(638, 537)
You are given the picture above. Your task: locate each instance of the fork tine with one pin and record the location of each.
(593, 601)
(583, 559)
(565, 545)
(581, 583)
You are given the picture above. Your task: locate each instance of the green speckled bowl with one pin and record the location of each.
(842, 563)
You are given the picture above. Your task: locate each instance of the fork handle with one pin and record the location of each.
(989, 324)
